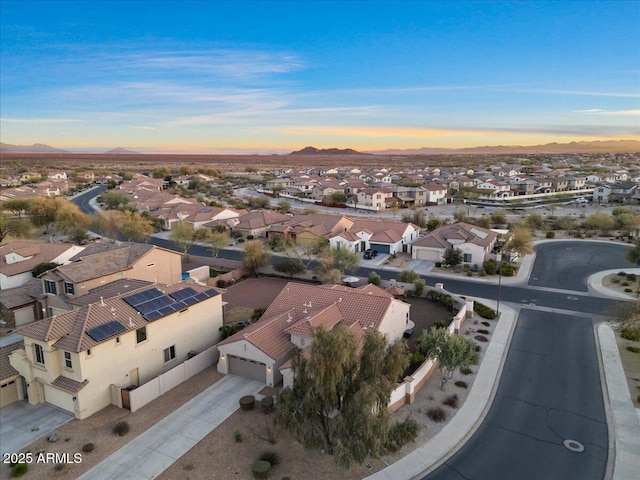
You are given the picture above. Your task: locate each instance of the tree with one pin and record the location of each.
(453, 256)
(520, 240)
(338, 197)
(332, 260)
(184, 236)
(43, 267)
(408, 276)
(499, 217)
(133, 226)
(18, 207)
(340, 394)
(452, 351)
(434, 222)
(374, 278)
(160, 172)
(218, 240)
(534, 221)
(394, 208)
(289, 266)
(43, 211)
(260, 202)
(115, 199)
(284, 206)
(565, 223)
(14, 227)
(600, 221)
(255, 255)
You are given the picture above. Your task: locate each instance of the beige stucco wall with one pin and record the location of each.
(394, 322)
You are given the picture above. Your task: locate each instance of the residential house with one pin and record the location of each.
(11, 386)
(103, 263)
(71, 360)
(256, 224)
(436, 193)
(374, 197)
(262, 349)
(474, 242)
(384, 236)
(310, 230)
(57, 175)
(20, 305)
(19, 258)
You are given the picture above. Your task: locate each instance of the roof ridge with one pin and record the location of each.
(84, 326)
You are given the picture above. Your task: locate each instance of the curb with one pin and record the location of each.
(437, 450)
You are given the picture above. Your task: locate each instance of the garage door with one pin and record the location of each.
(424, 254)
(23, 315)
(381, 247)
(248, 368)
(58, 398)
(8, 393)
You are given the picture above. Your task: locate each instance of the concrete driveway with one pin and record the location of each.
(21, 424)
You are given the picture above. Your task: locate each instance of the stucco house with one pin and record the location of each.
(19, 258)
(384, 236)
(72, 359)
(20, 305)
(103, 263)
(474, 242)
(9, 377)
(262, 349)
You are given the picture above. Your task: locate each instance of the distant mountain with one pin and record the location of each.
(35, 148)
(327, 151)
(609, 146)
(121, 151)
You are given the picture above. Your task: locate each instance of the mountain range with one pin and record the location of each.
(327, 151)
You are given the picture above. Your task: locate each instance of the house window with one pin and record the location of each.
(141, 334)
(67, 360)
(69, 288)
(117, 340)
(39, 353)
(88, 352)
(50, 287)
(169, 353)
(466, 258)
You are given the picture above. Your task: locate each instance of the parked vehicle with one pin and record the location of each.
(369, 254)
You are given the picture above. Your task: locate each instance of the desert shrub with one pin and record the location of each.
(221, 283)
(241, 240)
(481, 338)
(483, 331)
(633, 349)
(478, 348)
(621, 274)
(121, 428)
(250, 237)
(484, 311)
(469, 274)
(631, 277)
(550, 234)
(19, 469)
(451, 401)
(628, 290)
(408, 276)
(271, 457)
(418, 286)
(415, 360)
(228, 330)
(402, 433)
(486, 324)
(466, 371)
(87, 447)
(438, 264)
(437, 414)
(237, 436)
(267, 404)
(482, 273)
(461, 384)
(374, 278)
(440, 324)
(630, 333)
(508, 270)
(490, 266)
(625, 284)
(260, 468)
(58, 467)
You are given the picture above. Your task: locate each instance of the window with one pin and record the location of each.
(50, 287)
(67, 360)
(39, 353)
(69, 288)
(117, 340)
(141, 334)
(169, 353)
(466, 257)
(88, 352)
(149, 265)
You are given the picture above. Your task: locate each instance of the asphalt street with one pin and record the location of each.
(549, 393)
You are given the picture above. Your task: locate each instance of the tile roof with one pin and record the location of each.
(39, 252)
(6, 370)
(68, 330)
(260, 219)
(90, 266)
(18, 296)
(299, 307)
(466, 232)
(68, 385)
(108, 290)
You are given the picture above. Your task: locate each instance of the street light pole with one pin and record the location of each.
(499, 259)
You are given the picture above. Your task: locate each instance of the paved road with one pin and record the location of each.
(82, 200)
(549, 392)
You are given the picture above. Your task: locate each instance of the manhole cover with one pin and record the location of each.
(573, 445)
(572, 298)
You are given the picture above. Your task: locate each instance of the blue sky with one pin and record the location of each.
(276, 76)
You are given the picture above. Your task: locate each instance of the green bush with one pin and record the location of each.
(419, 287)
(550, 234)
(633, 349)
(630, 333)
(490, 266)
(228, 330)
(484, 311)
(508, 270)
(221, 283)
(451, 401)
(461, 384)
(415, 360)
(440, 324)
(408, 276)
(87, 447)
(374, 278)
(19, 469)
(628, 290)
(121, 428)
(466, 371)
(402, 433)
(271, 457)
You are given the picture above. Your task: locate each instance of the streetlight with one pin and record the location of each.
(499, 260)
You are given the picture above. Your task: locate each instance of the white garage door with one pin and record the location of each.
(23, 315)
(248, 368)
(8, 392)
(424, 254)
(59, 398)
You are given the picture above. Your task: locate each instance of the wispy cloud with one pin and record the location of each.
(622, 113)
(39, 120)
(144, 127)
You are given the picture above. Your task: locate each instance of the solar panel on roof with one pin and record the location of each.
(200, 296)
(106, 330)
(189, 301)
(210, 293)
(141, 297)
(184, 293)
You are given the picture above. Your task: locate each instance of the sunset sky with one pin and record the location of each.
(215, 77)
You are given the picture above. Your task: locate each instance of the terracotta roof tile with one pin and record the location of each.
(39, 253)
(6, 370)
(460, 231)
(68, 385)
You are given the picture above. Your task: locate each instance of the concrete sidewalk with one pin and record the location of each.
(155, 450)
(434, 452)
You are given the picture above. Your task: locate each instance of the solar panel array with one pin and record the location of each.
(153, 304)
(109, 329)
